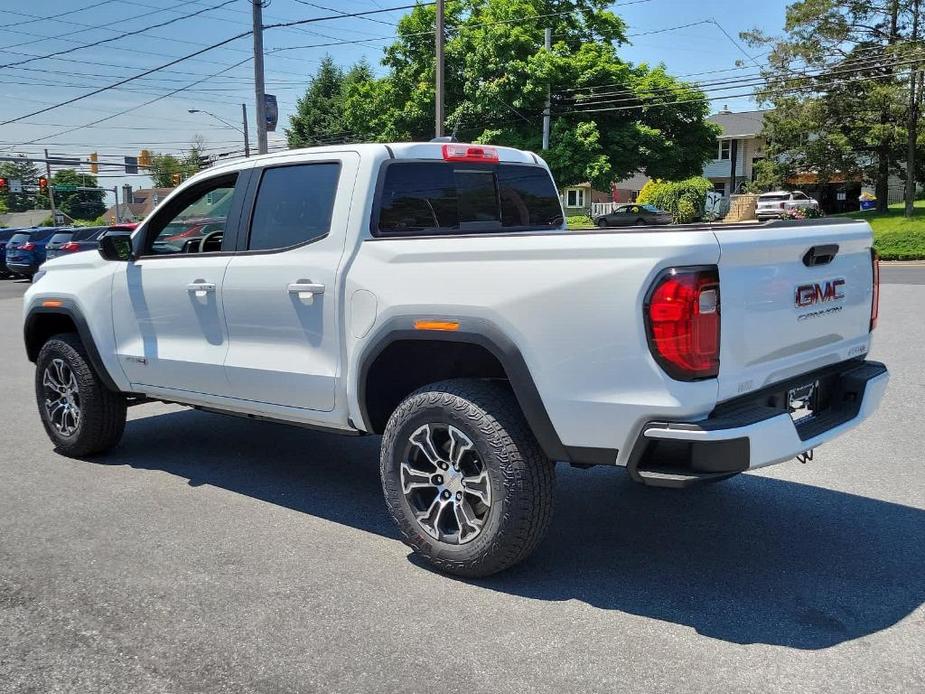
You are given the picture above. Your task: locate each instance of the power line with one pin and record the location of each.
(120, 36)
(60, 14)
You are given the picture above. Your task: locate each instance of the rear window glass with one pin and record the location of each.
(447, 197)
(19, 238)
(778, 196)
(87, 233)
(62, 237)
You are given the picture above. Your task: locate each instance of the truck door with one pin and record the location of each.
(168, 319)
(280, 297)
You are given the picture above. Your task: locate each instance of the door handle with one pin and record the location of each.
(305, 289)
(200, 288)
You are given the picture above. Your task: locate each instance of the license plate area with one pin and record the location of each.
(802, 401)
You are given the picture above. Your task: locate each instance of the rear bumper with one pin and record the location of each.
(22, 268)
(757, 430)
(769, 214)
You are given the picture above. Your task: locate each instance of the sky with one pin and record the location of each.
(212, 83)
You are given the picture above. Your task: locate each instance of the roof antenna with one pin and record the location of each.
(449, 138)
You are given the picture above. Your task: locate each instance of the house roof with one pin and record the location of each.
(742, 124)
(21, 220)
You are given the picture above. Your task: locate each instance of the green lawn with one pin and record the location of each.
(895, 237)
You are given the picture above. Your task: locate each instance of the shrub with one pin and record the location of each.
(579, 221)
(803, 213)
(684, 199)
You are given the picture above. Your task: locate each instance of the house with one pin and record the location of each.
(739, 147)
(140, 205)
(577, 199)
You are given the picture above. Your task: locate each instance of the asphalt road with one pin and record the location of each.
(210, 554)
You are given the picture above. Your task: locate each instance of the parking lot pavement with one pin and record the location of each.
(211, 554)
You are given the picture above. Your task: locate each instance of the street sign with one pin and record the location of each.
(59, 219)
(15, 185)
(64, 161)
(272, 111)
(64, 187)
(131, 165)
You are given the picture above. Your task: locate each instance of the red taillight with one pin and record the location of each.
(469, 153)
(875, 298)
(27, 246)
(70, 247)
(682, 322)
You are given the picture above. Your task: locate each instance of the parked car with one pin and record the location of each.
(25, 251)
(432, 293)
(633, 215)
(5, 236)
(73, 241)
(775, 205)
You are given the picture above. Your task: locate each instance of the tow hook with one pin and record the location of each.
(805, 456)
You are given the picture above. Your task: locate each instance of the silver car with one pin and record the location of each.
(633, 215)
(775, 204)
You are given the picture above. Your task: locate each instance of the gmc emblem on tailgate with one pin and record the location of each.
(819, 293)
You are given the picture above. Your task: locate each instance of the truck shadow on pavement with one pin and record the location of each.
(750, 560)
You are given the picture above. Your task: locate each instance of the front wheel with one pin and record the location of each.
(80, 415)
(464, 478)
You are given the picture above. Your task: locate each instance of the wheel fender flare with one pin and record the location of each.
(486, 334)
(70, 309)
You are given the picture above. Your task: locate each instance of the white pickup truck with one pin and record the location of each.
(430, 292)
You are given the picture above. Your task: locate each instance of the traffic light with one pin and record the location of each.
(4, 186)
(176, 178)
(144, 159)
(94, 165)
(43, 184)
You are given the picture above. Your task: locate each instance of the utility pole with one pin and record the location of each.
(912, 126)
(115, 192)
(247, 144)
(51, 188)
(546, 113)
(258, 77)
(440, 87)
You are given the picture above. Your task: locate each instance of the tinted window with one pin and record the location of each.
(444, 197)
(60, 237)
(87, 233)
(774, 196)
(294, 205)
(19, 238)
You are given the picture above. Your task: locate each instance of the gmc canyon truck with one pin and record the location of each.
(431, 293)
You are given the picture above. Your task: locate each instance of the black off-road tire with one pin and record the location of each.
(521, 476)
(102, 412)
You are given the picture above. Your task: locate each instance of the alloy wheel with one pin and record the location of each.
(445, 483)
(62, 398)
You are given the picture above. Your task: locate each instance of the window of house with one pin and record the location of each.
(719, 188)
(724, 148)
(294, 205)
(575, 197)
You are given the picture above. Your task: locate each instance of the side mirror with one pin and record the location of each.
(116, 247)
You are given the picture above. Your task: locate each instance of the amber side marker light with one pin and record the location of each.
(436, 325)
(52, 303)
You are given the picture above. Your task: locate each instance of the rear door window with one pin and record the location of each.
(294, 205)
(448, 197)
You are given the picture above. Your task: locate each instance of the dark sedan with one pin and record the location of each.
(633, 215)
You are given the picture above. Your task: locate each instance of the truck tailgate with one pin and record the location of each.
(783, 315)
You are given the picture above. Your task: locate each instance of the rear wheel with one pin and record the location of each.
(464, 479)
(80, 415)
(602, 222)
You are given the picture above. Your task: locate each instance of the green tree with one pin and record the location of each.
(837, 80)
(78, 204)
(28, 174)
(319, 113)
(611, 118)
(164, 167)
